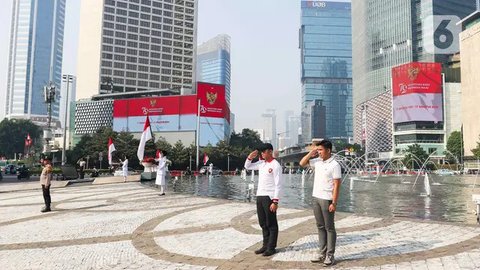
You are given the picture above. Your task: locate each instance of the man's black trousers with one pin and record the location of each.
(268, 221)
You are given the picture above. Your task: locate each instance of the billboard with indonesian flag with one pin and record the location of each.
(417, 92)
(177, 113)
(212, 100)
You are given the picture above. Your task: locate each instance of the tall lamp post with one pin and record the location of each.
(49, 92)
(228, 162)
(66, 79)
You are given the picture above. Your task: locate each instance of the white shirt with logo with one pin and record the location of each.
(325, 172)
(269, 179)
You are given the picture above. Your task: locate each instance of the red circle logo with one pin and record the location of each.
(270, 170)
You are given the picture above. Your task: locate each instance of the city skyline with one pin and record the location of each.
(251, 85)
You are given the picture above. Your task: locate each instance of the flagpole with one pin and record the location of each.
(198, 134)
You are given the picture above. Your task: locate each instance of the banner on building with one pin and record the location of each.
(417, 92)
(212, 100)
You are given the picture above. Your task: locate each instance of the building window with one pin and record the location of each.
(132, 21)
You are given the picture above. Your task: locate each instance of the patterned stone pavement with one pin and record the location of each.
(128, 226)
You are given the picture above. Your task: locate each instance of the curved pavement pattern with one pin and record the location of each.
(128, 226)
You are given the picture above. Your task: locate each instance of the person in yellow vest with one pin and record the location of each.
(45, 181)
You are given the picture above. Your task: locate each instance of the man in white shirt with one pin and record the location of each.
(268, 193)
(326, 188)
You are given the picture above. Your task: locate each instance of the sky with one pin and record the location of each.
(265, 57)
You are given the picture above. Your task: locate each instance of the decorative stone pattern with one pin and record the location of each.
(128, 226)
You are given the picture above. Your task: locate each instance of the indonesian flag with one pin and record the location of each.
(205, 158)
(146, 135)
(158, 154)
(111, 148)
(28, 140)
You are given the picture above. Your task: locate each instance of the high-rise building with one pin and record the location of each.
(35, 57)
(470, 63)
(318, 115)
(270, 127)
(68, 83)
(326, 58)
(213, 62)
(388, 34)
(136, 45)
(294, 125)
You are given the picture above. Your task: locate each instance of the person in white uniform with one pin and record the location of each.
(326, 189)
(125, 168)
(161, 172)
(268, 193)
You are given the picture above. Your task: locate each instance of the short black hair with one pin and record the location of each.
(265, 146)
(164, 153)
(326, 144)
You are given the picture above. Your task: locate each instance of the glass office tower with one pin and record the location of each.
(387, 34)
(213, 62)
(326, 58)
(35, 57)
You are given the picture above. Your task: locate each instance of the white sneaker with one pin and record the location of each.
(329, 260)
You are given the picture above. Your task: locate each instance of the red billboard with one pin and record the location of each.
(168, 105)
(417, 92)
(212, 100)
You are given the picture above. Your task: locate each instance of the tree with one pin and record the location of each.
(248, 138)
(454, 146)
(415, 157)
(13, 133)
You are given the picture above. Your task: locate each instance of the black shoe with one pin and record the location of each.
(161, 194)
(320, 259)
(45, 209)
(269, 252)
(261, 250)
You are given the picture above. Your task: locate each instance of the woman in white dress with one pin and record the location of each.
(161, 171)
(125, 168)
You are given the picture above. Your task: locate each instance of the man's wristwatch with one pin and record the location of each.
(334, 203)
(275, 202)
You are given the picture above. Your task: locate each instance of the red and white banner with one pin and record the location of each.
(417, 92)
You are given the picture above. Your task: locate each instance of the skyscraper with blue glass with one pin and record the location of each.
(213, 62)
(35, 57)
(326, 59)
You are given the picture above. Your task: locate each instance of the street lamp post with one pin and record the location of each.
(190, 161)
(49, 98)
(67, 79)
(228, 162)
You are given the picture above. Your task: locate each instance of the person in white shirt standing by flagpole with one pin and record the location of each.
(326, 189)
(161, 171)
(125, 169)
(268, 193)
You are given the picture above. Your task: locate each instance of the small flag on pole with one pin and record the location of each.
(205, 158)
(146, 135)
(111, 149)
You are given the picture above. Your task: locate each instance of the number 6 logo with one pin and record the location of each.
(441, 34)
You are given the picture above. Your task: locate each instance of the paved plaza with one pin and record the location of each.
(128, 226)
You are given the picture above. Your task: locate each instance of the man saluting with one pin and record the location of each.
(268, 193)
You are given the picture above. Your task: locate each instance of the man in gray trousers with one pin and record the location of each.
(326, 188)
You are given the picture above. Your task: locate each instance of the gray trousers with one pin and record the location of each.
(327, 236)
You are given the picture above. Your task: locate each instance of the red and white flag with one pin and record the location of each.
(146, 135)
(28, 140)
(205, 158)
(158, 154)
(111, 148)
